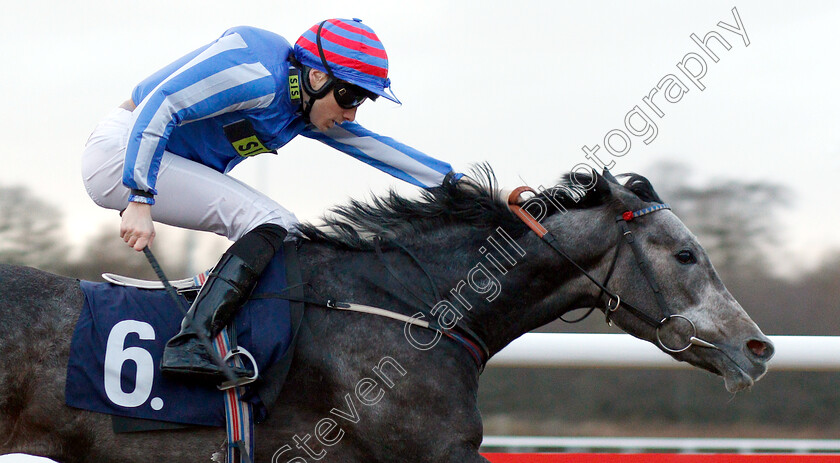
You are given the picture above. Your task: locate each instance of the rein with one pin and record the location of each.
(622, 221)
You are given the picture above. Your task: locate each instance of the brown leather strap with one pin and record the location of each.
(529, 220)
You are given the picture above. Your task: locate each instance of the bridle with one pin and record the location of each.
(614, 302)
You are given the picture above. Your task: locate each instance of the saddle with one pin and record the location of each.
(186, 284)
(122, 329)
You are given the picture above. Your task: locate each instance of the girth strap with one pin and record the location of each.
(239, 413)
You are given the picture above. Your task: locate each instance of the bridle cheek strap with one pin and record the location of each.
(641, 261)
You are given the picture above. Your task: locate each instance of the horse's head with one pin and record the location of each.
(693, 317)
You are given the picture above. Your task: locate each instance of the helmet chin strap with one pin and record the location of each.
(307, 108)
(314, 95)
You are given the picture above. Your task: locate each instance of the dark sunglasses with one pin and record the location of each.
(350, 96)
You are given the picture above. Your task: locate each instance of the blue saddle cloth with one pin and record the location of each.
(118, 342)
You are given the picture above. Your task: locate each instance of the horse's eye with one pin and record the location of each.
(686, 257)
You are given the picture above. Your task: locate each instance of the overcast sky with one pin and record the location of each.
(522, 85)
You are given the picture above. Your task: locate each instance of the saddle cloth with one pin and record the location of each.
(119, 339)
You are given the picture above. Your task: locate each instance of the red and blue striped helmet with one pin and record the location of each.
(348, 50)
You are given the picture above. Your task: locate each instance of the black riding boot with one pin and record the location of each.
(227, 288)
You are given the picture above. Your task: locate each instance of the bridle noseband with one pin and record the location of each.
(614, 301)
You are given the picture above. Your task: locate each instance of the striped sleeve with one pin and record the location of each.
(223, 77)
(386, 154)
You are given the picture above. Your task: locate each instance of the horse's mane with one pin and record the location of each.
(352, 226)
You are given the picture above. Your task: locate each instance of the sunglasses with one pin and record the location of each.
(350, 96)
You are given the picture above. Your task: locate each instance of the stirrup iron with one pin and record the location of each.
(238, 350)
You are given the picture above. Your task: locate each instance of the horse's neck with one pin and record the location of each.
(505, 288)
(529, 295)
(501, 287)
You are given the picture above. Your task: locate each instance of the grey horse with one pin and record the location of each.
(365, 388)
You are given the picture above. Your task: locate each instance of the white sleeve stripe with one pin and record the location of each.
(191, 95)
(260, 102)
(147, 147)
(226, 43)
(218, 83)
(388, 155)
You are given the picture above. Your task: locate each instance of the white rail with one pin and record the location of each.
(669, 445)
(576, 350)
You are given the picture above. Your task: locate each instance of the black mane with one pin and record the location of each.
(353, 225)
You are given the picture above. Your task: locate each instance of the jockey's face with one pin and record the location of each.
(325, 111)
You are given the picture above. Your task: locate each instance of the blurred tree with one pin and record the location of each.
(30, 230)
(31, 235)
(106, 252)
(734, 220)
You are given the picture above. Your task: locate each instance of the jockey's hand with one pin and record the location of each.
(503, 194)
(137, 228)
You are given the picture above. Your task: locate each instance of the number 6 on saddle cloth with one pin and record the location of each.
(121, 332)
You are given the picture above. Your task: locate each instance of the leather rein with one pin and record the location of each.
(614, 302)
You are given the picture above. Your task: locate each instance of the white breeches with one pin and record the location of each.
(191, 195)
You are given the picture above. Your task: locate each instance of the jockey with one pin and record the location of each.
(163, 154)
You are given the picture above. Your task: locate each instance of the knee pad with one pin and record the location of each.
(258, 246)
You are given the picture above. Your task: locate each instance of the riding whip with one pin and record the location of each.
(178, 302)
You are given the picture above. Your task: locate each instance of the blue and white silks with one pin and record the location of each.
(243, 75)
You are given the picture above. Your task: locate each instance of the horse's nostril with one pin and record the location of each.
(761, 349)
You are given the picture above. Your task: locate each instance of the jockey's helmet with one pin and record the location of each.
(347, 51)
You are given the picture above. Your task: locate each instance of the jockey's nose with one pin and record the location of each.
(350, 114)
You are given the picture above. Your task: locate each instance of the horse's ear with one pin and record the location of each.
(602, 183)
(609, 176)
